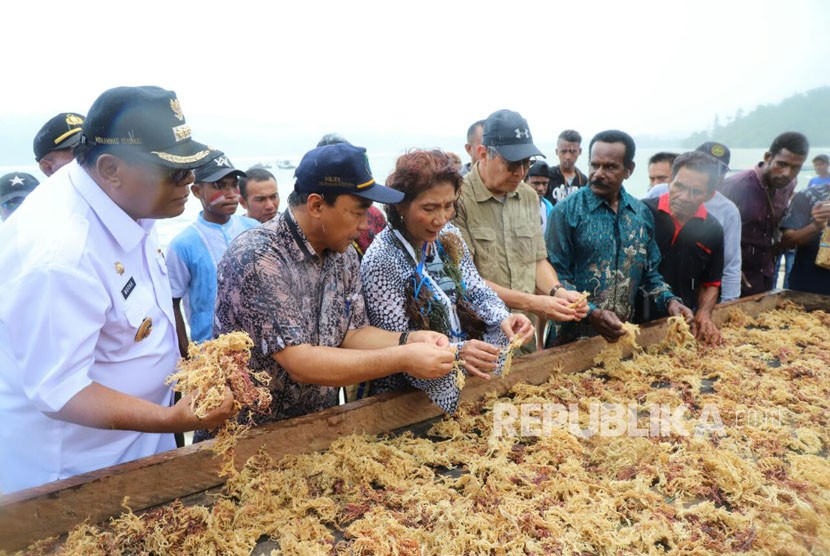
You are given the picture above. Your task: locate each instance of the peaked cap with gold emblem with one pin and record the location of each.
(147, 121)
(60, 132)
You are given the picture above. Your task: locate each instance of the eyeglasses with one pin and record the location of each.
(523, 165)
(228, 184)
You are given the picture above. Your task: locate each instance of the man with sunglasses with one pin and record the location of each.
(87, 331)
(195, 253)
(14, 188)
(498, 215)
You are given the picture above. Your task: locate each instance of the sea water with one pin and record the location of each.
(382, 163)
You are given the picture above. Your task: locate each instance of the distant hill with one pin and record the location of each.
(808, 113)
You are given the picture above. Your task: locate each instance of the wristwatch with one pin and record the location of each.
(555, 289)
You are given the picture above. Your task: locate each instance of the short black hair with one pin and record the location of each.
(793, 141)
(698, 162)
(471, 131)
(663, 156)
(571, 136)
(87, 154)
(254, 173)
(616, 136)
(821, 157)
(295, 198)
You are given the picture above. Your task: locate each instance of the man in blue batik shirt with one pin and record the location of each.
(601, 240)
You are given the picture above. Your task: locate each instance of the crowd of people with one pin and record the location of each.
(335, 294)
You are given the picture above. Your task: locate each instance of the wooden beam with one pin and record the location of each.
(55, 508)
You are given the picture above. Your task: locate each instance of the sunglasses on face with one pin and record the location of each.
(523, 165)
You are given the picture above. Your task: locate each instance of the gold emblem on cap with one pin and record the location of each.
(181, 159)
(176, 107)
(119, 268)
(718, 151)
(182, 132)
(73, 120)
(144, 329)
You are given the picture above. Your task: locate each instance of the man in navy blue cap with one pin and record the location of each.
(87, 332)
(14, 188)
(194, 253)
(55, 142)
(498, 215)
(293, 284)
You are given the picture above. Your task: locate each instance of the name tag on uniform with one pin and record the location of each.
(128, 288)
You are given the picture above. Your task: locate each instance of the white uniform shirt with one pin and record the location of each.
(78, 276)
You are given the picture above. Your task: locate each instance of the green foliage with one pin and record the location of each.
(808, 113)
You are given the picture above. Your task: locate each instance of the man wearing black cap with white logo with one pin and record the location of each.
(14, 187)
(293, 284)
(194, 253)
(54, 143)
(729, 217)
(87, 332)
(498, 215)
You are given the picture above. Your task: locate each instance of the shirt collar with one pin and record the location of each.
(594, 201)
(126, 231)
(204, 222)
(301, 249)
(663, 204)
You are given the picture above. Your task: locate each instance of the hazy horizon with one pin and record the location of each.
(272, 78)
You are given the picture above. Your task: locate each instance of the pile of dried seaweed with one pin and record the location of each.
(758, 484)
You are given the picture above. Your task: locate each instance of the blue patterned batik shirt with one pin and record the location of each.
(608, 254)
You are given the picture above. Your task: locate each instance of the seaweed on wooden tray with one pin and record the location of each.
(757, 485)
(211, 367)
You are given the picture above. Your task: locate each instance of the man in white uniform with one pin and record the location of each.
(87, 333)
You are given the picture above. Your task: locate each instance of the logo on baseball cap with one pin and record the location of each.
(148, 121)
(341, 168)
(16, 185)
(217, 169)
(60, 132)
(510, 135)
(718, 151)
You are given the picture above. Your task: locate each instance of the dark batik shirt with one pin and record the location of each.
(806, 276)
(761, 212)
(691, 254)
(273, 286)
(608, 254)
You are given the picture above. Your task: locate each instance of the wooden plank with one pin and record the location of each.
(55, 508)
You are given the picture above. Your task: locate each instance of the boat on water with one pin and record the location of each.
(285, 164)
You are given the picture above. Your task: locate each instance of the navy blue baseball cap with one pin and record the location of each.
(149, 122)
(509, 134)
(60, 132)
(217, 169)
(341, 168)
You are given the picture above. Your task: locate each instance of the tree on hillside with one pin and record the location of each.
(808, 113)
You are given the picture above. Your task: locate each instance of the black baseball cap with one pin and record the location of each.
(217, 169)
(539, 168)
(509, 134)
(341, 168)
(16, 184)
(148, 121)
(60, 132)
(719, 151)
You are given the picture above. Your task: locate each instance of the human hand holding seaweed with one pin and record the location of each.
(519, 325)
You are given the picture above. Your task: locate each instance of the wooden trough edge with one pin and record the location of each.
(55, 508)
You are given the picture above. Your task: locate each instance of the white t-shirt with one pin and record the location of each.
(78, 276)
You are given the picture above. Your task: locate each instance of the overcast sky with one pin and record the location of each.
(649, 67)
